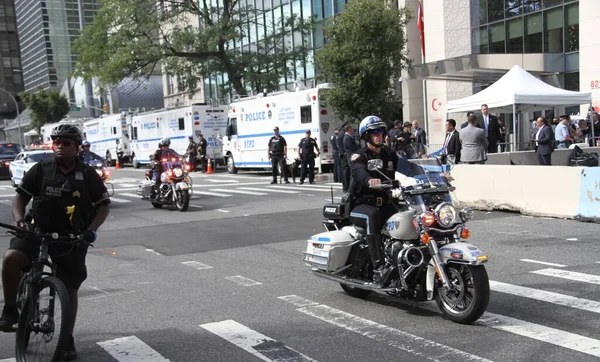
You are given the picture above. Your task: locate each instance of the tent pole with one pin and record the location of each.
(515, 148)
(591, 113)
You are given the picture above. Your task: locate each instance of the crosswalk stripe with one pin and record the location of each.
(322, 186)
(257, 189)
(127, 194)
(207, 193)
(131, 349)
(8, 360)
(236, 191)
(128, 185)
(541, 333)
(404, 341)
(544, 296)
(118, 200)
(565, 274)
(219, 180)
(259, 345)
(299, 188)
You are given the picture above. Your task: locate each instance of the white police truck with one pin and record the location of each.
(252, 119)
(46, 129)
(108, 136)
(148, 128)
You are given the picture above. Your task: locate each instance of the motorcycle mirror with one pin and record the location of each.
(375, 164)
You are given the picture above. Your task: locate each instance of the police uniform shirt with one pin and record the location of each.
(359, 160)
(307, 146)
(202, 147)
(32, 183)
(276, 145)
(350, 144)
(340, 143)
(333, 141)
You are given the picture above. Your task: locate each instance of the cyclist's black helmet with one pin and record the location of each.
(67, 130)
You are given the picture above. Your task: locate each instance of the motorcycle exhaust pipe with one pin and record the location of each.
(351, 282)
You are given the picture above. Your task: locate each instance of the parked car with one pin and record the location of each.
(24, 161)
(8, 152)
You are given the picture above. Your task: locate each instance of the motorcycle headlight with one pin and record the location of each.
(446, 215)
(177, 172)
(99, 172)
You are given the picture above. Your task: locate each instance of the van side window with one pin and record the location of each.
(181, 124)
(114, 130)
(231, 127)
(134, 135)
(305, 114)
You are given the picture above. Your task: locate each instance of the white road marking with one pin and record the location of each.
(196, 264)
(153, 252)
(299, 188)
(239, 192)
(242, 281)
(197, 206)
(404, 341)
(6, 202)
(118, 200)
(125, 189)
(259, 345)
(109, 295)
(125, 185)
(565, 274)
(135, 196)
(541, 333)
(221, 210)
(544, 296)
(8, 360)
(544, 263)
(131, 349)
(219, 180)
(316, 186)
(572, 239)
(207, 193)
(257, 189)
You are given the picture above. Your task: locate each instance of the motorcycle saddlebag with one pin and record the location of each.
(145, 188)
(334, 211)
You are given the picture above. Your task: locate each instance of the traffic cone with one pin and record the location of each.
(209, 169)
(117, 165)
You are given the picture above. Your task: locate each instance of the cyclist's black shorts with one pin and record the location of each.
(69, 260)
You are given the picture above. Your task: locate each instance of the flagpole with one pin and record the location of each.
(423, 64)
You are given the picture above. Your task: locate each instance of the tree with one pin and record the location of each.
(363, 56)
(134, 38)
(45, 106)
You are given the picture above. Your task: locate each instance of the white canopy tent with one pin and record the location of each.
(519, 91)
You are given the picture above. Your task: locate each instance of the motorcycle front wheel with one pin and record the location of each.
(470, 296)
(183, 200)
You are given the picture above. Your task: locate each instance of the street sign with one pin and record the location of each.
(73, 108)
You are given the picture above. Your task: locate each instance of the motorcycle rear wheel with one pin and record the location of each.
(470, 298)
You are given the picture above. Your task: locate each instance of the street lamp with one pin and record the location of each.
(18, 114)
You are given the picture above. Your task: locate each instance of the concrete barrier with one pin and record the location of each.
(560, 191)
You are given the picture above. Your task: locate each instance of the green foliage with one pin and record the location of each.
(135, 38)
(363, 57)
(45, 106)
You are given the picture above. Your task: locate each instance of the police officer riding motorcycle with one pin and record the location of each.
(157, 166)
(371, 206)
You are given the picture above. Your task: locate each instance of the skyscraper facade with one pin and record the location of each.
(11, 79)
(47, 31)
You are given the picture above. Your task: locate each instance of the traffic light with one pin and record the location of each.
(105, 108)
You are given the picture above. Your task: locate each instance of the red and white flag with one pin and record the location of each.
(421, 25)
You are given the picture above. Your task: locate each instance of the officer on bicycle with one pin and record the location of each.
(68, 197)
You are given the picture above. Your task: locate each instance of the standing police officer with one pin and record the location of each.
(350, 146)
(68, 197)
(337, 166)
(306, 153)
(373, 206)
(277, 155)
(192, 152)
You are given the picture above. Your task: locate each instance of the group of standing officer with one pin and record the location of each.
(343, 145)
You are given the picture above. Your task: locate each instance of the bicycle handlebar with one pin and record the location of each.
(52, 236)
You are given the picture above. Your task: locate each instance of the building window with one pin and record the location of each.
(532, 5)
(480, 40)
(513, 8)
(495, 10)
(478, 12)
(572, 28)
(514, 31)
(533, 33)
(572, 81)
(549, 3)
(553, 33)
(497, 37)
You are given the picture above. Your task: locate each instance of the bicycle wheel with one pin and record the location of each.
(44, 325)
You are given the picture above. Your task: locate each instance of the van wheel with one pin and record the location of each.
(231, 166)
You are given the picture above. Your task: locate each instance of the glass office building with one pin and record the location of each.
(11, 78)
(272, 18)
(47, 31)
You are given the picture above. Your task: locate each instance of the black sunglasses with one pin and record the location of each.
(65, 143)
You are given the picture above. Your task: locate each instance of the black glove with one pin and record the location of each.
(89, 236)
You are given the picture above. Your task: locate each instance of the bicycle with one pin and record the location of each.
(36, 319)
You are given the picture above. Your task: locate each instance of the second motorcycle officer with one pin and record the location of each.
(372, 206)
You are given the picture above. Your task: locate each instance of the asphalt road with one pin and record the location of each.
(225, 281)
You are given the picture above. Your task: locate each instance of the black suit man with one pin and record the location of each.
(489, 123)
(452, 142)
(544, 142)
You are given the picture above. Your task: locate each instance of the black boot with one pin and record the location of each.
(377, 257)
